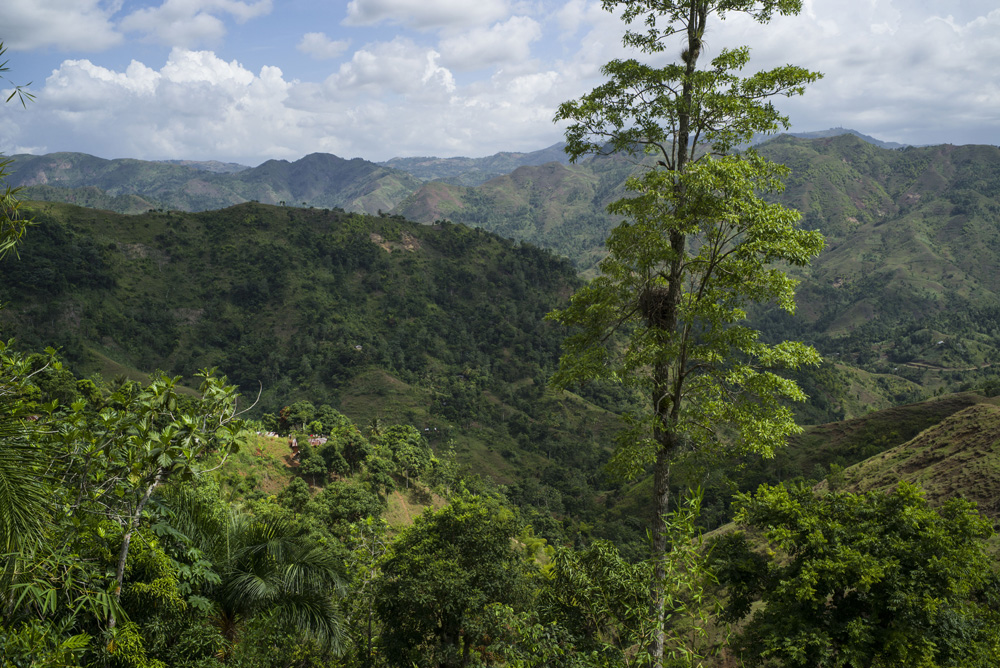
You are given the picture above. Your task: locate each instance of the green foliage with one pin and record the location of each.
(713, 105)
(311, 463)
(296, 495)
(872, 579)
(263, 567)
(439, 577)
(601, 599)
(25, 501)
(39, 644)
(12, 223)
(407, 449)
(708, 363)
(343, 504)
(593, 607)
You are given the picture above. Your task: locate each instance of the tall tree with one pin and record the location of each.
(666, 314)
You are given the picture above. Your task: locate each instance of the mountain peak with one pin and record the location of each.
(836, 132)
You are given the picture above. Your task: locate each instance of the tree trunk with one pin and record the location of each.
(666, 394)
(127, 538)
(661, 494)
(466, 643)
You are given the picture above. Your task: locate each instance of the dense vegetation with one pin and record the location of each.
(440, 327)
(159, 531)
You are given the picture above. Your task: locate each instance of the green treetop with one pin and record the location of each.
(877, 579)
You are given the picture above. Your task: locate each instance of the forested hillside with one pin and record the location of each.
(440, 326)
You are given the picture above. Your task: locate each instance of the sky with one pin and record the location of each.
(250, 80)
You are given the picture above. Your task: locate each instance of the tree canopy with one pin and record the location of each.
(875, 579)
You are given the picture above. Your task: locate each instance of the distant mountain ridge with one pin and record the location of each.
(836, 132)
(214, 166)
(318, 179)
(323, 180)
(475, 171)
(127, 185)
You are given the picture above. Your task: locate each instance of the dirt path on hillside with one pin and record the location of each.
(935, 367)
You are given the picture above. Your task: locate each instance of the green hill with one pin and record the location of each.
(557, 206)
(959, 456)
(909, 281)
(437, 326)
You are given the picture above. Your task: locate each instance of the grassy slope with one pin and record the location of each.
(960, 455)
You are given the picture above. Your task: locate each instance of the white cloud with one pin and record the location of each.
(890, 71)
(196, 105)
(79, 85)
(391, 98)
(394, 68)
(83, 25)
(577, 14)
(189, 23)
(426, 13)
(594, 37)
(502, 43)
(321, 47)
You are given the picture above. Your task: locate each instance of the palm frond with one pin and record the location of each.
(25, 496)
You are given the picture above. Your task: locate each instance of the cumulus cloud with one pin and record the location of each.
(83, 25)
(902, 75)
(321, 47)
(395, 68)
(426, 13)
(391, 98)
(189, 23)
(196, 105)
(482, 47)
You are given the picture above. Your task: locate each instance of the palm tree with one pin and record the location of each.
(25, 496)
(264, 568)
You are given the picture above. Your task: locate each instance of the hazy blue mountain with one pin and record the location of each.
(836, 132)
(475, 171)
(319, 179)
(213, 166)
